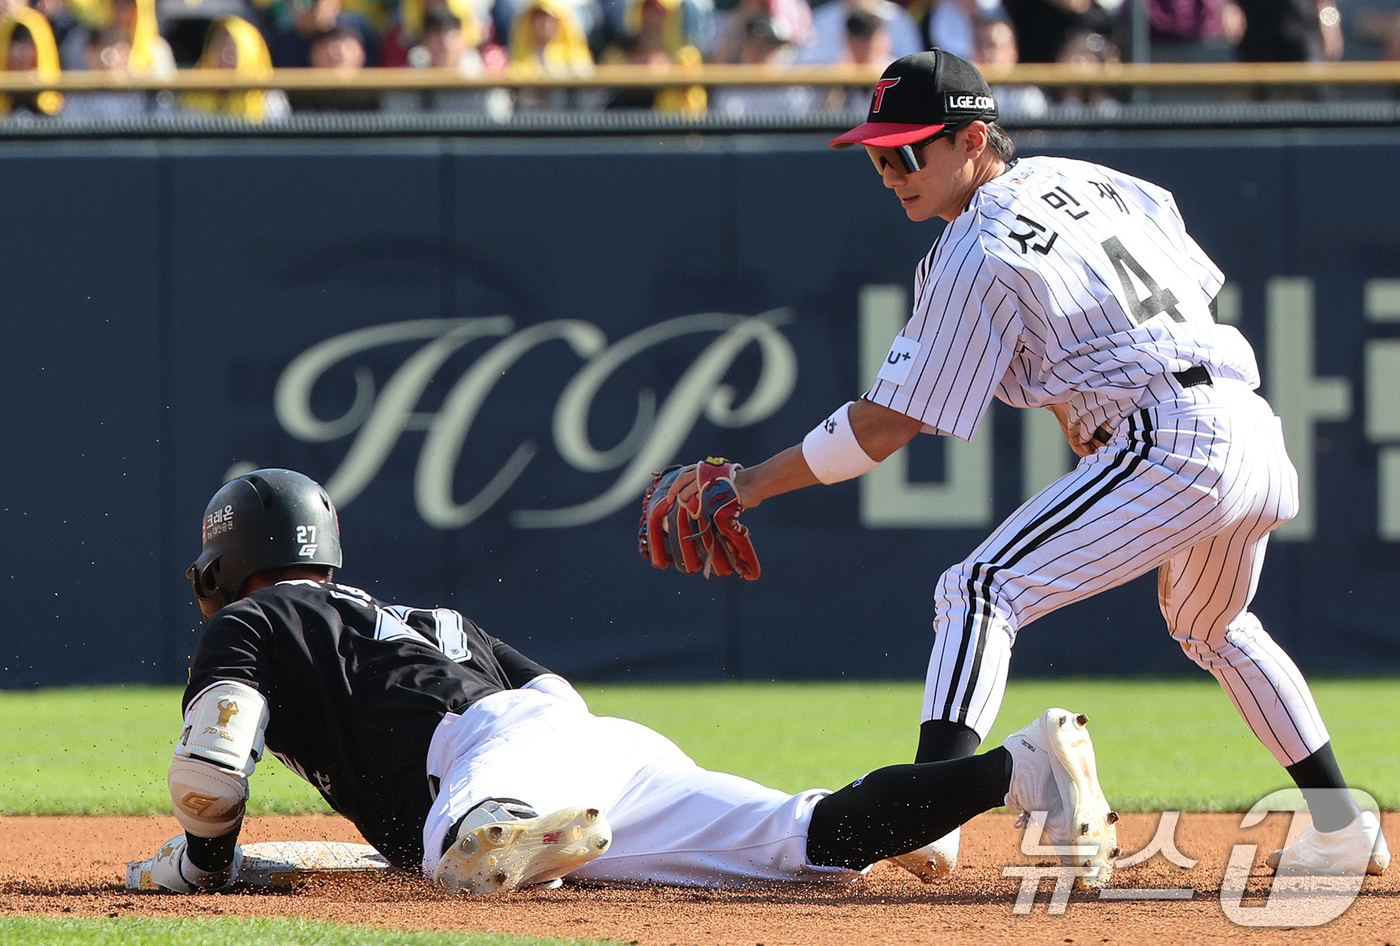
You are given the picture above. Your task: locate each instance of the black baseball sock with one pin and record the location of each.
(940, 740)
(211, 854)
(1320, 778)
(899, 808)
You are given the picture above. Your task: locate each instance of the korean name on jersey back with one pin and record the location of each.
(1101, 234)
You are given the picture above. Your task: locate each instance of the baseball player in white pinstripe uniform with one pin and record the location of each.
(1073, 287)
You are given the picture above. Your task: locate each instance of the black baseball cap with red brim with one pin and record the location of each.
(920, 95)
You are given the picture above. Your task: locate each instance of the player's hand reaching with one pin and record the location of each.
(170, 871)
(690, 519)
(685, 488)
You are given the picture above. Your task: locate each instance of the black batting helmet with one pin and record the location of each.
(264, 519)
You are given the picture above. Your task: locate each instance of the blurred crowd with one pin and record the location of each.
(249, 38)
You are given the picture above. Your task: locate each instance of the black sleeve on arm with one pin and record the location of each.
(233, 647)
(518, 668)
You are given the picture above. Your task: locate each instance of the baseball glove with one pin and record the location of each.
(709, 539)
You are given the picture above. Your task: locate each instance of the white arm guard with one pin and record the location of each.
(556, 686)
(218, 748)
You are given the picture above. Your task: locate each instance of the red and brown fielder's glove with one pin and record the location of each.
(668, 534)
(726, 539)
(709, 540)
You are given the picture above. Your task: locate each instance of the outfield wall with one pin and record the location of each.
(485, 347)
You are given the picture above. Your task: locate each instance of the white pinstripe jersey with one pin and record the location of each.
(1063, 282)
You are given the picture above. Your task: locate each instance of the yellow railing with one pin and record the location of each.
(1155, 75)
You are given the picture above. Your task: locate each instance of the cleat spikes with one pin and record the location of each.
(1054, 772)
(522, 851)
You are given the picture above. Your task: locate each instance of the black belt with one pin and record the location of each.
(1192, 376)
(1196, 374)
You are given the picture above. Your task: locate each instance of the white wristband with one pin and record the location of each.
(832, 450)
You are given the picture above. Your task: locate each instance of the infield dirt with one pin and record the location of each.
(75, 866)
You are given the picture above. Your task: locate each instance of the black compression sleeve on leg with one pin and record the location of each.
(1320, 778)
(940, 740)
(900, 808)
(212, 854)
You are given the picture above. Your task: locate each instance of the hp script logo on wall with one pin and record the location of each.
(384, 413)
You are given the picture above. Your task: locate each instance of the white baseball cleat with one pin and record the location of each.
(933, 861)
(503, 847)
(1053, 772)
(1335, 853)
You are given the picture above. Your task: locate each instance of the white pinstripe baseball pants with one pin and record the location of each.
(673, 822)
(1193, 486)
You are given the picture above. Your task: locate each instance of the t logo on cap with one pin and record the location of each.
(880, 88)
(937, 90)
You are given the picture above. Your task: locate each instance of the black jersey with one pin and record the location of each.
(355, 688)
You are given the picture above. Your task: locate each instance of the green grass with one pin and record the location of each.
(144, 931)
(1161, 743)
(105, 750)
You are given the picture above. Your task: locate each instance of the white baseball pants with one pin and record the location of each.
(673, 822)
(1193, 486)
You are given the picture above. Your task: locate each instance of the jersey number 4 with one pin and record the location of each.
(1158, 300)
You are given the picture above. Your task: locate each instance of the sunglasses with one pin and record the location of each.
(910, 156)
